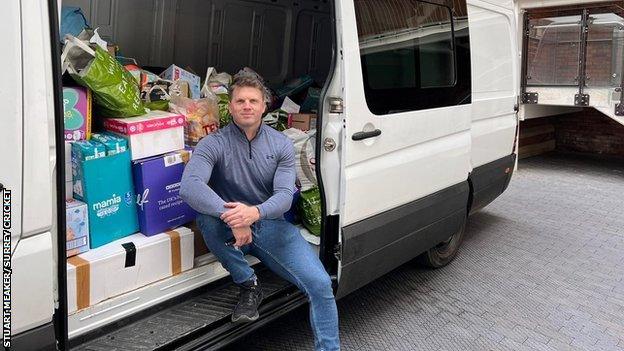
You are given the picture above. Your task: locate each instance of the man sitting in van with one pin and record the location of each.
(241, 181)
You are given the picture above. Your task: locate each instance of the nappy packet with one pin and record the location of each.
(112, 143)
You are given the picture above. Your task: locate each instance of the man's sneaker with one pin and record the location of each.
(247, 308)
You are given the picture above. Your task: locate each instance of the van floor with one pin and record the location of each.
(206, 312)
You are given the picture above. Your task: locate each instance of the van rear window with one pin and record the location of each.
(408, 53)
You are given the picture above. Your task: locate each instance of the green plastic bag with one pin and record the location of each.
(310, 210)
(224, 112)
(115, 91)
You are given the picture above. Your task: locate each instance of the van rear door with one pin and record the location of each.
(11, 131)
(407, 114)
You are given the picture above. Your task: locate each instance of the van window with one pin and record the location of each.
(407, 49)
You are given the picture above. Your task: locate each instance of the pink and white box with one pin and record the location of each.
(154, 133)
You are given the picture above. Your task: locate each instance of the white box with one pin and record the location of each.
(127, 264)
(68, 163)
(152, 134)
(69, 191)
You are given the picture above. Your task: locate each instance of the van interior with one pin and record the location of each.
(281, 41)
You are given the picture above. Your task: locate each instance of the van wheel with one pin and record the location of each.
(443, 253)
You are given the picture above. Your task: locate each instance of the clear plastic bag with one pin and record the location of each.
(202, 116)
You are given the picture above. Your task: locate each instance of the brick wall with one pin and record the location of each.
(537, 136)
(589, 131)
(553, 55)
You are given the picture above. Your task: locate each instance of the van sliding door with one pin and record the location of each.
(407, 112)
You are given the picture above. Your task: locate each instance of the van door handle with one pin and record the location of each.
(365, 135)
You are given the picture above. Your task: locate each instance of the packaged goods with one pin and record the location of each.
(68, 162)
(310, 210)
(277, 119)
(105, 185)
(111, 142)
(217, 83)
(310, 104)
(72, 21)
(295, 86)
(155, 96)
(305, 159)
(125, 265)
(202, 116)
(289, 106)
(114, 89)
(224, 113)
(154, 133)
(141, 76)
(85, 150)
(77, 113)
(199, 243)
(174, 73)
(112, 49)
(302, 121)
(157, 184)
(292, 214)
(69, 188)
(77, 229)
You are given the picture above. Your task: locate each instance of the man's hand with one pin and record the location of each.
(242, 236)
(240, 215)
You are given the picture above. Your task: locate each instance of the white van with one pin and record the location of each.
(417, 127)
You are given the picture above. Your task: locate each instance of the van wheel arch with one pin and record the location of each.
(444, 253)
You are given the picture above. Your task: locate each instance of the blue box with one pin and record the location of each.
(77, 227)
(157, 184)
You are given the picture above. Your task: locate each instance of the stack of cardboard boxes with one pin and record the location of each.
(124, 213)
(126, 223)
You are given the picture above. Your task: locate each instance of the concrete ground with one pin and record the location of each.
(541, 268)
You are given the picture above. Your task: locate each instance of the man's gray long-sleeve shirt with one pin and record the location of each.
(226, 167)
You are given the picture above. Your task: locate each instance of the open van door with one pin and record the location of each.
(495, 91)
(407, 101)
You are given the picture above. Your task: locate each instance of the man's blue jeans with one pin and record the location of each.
(280, 246)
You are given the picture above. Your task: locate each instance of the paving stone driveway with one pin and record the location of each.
(540, 269)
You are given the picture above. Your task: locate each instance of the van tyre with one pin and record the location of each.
(443, 253)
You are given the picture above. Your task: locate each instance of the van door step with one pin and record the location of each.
(165, 328)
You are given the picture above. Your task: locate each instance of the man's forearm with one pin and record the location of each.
(275, 206)
(201, 197)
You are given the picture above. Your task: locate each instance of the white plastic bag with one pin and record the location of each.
(305, 159)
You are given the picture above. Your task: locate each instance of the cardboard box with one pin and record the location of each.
(105, 185)
(302, 121)
(69, 190)
(125, 265)
(68, 162)
(77, 113)
(176, 73)
(155, 133)
(157, 184)
(199, 243)
(77, 227)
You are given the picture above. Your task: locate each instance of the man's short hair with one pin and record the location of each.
(251, 80)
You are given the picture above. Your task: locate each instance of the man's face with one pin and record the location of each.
(247, 106)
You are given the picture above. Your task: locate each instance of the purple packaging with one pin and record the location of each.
(77, 113)
(157, 184)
